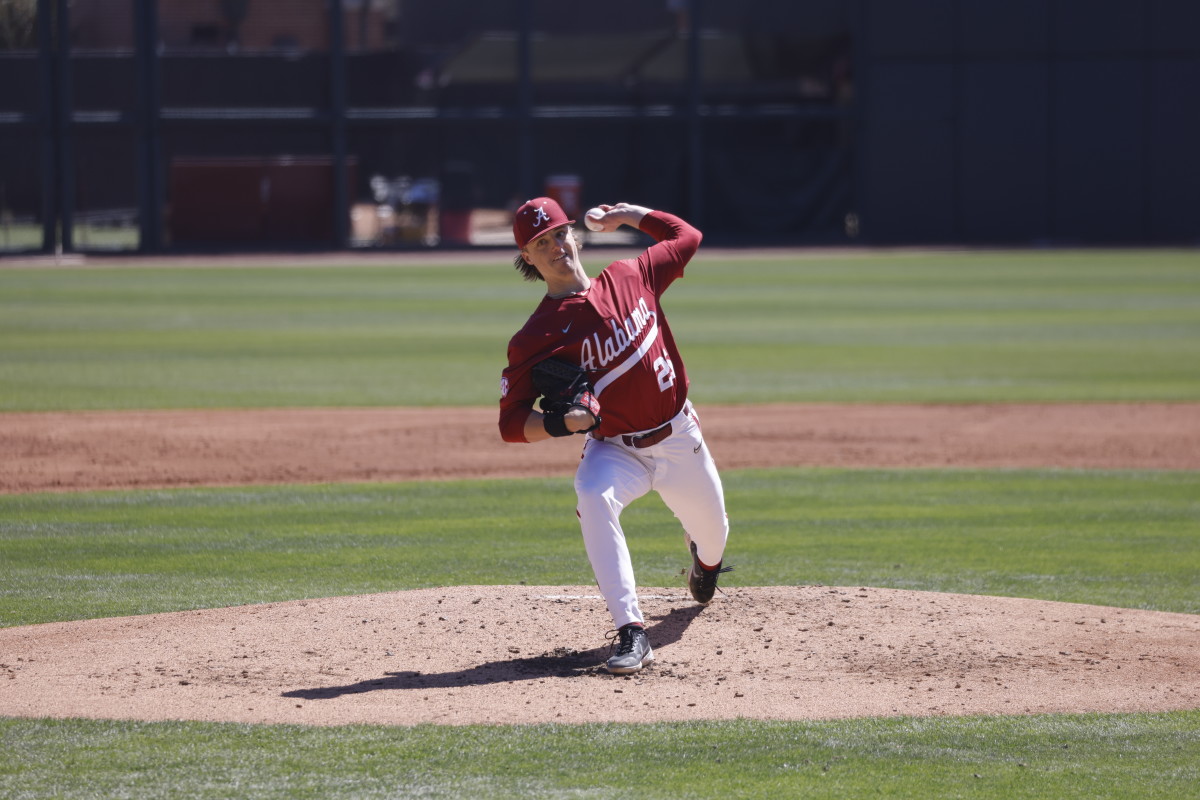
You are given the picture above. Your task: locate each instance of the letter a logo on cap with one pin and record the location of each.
(540, 216)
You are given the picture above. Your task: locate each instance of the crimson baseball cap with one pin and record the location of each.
(537, 216)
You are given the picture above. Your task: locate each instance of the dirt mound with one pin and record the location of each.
(504, 654)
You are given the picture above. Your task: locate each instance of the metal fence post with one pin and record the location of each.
(149, 192)
(65, 197)
(695, 161)
(337, 122)
(46, 125)
(528, 187)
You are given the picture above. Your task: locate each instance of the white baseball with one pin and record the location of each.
(592, 220)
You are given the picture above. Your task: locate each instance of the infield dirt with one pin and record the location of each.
(513, 654)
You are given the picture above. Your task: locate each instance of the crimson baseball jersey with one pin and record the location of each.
(616, 330)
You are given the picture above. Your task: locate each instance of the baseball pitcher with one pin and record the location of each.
(597, 359)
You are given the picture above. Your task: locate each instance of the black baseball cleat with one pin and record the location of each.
(703, 582)
(633, 650)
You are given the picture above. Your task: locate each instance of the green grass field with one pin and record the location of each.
(946, 327)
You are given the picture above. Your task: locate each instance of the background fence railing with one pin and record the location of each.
(185, 125)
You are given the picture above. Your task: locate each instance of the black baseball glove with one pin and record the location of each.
(564, 387)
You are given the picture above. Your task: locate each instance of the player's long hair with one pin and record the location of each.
(529, 271)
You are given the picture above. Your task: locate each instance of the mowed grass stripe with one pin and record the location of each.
(894, 327)
(1148, 756)
(1109, 538)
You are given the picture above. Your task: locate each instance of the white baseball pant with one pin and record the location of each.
(612, 475)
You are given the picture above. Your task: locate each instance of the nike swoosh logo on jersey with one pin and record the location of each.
(569, 324)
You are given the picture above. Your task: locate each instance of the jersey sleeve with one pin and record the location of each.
(517, 393)
(676, 243)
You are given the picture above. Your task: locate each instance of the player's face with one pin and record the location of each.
(554, 253)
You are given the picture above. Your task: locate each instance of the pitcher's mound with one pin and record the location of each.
(534, 654)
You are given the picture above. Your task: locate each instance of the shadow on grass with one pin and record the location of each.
(558, 663)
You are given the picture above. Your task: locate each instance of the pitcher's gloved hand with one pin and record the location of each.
(564, 388)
